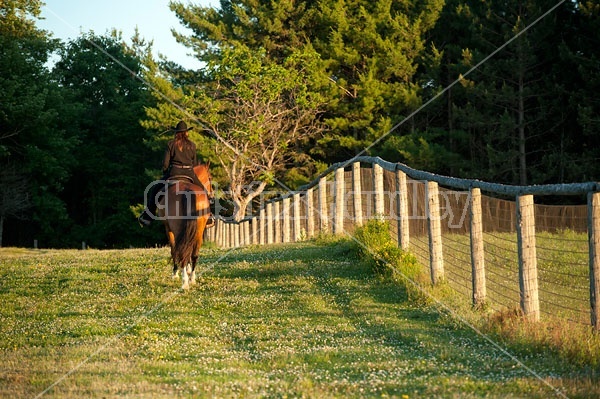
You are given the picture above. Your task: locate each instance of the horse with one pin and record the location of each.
(185, 210)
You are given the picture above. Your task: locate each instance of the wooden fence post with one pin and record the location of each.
(262, 234)
(211, 234)
(402, 210)
(286, 219)
(255, 240)
(220, 240)
(240, 233)
(227, 236)
(379, 195)
(594, 254)
(340, 201)
(228, 242)
(477, 253)
(310, 213)
(324, 227)
(221, 236)
(247, 239)
(528, 281)
(236, 235)
(432, 209)
(297, 217)
(216, 229)
(357, 194)
(269, 223)
(277, 216)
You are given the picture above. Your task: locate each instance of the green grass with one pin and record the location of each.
(301, 320)
(563, 271)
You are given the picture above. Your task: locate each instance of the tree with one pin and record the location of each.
(277, 27)
(578, 151)
(506, 105)
(373, 50)
(259, 111)
(100, 74)
(15, 198)
(33, 142)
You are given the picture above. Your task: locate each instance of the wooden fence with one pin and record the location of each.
(429, 212)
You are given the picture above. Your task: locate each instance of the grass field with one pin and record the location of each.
(562, 264)
(305, 320)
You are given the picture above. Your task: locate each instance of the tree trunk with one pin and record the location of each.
(521, 127)
(241, 202)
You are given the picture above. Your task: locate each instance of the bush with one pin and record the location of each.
(376, 247)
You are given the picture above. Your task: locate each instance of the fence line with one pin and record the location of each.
(448, 224)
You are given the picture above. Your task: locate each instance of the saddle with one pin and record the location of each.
(183, 178)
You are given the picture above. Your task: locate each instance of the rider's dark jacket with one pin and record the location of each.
(180, 162)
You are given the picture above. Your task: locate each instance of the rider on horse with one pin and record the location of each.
(179, 161)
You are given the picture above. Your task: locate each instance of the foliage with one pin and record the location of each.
(259, 111)
(515, 107)
(99, 73)
(373, 50)
(574, 342)
(33, 141)
(528, 114)
(375, 245)
(15, 198)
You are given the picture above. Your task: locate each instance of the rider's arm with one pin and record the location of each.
(167, 158)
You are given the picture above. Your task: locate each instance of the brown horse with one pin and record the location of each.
(185, 210)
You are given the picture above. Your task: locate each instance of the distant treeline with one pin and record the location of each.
(513, 87)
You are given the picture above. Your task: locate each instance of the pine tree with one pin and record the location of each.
(507, 104)
(101, 74)
(373, 52)
(33, 142)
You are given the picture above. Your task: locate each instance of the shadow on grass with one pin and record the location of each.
(379, 313)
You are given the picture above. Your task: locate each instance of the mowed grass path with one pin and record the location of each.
(284, 321)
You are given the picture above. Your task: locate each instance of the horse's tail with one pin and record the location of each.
(185, 242)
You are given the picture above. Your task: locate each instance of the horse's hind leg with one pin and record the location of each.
(185, 282)
(193, 276)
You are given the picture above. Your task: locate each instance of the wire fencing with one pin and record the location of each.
(491, 242)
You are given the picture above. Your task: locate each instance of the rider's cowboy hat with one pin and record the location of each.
(181, 127)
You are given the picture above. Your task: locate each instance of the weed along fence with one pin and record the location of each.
(506, 253)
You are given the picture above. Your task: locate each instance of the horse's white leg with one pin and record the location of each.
(194, 261)
(185, 282)
(191, 273)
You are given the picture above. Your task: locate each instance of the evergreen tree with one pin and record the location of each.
(373, 50)
(101, 74)
(506, 106)
(33, 141)
(577, 147)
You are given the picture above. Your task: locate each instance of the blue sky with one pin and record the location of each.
(67, 19)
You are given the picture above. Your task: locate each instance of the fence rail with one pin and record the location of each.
(498, 251)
